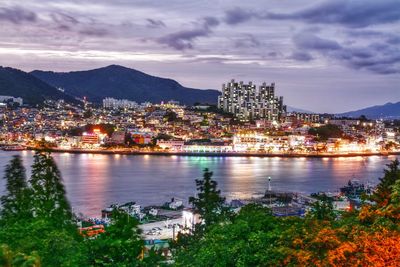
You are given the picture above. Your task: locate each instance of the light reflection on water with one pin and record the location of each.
(94, 181)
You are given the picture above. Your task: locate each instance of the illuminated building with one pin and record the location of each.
(303, 117)
(113, 103)
(175, 145)
(6, 98)
(90, 138)
(246, 102)
(260, 142)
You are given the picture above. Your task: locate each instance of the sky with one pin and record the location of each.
(324, 56)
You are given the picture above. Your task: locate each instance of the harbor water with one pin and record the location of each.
(94, 181)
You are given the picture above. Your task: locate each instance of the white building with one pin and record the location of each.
(110, 102)
(5, 98)
(245, 101)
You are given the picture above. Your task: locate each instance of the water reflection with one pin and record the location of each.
(94, 181)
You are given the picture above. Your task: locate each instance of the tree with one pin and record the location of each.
(252, 238)
(9, 258)
(49, 233)
(120, 245)
(323, 209)
(383, 191)
(327, 131)
(48, 193)
(208, 204)
(380, 248)
(15, 204)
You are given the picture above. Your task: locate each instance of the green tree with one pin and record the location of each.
(208, 204)
(322, 209)
(49, 234)
(15, 204)
(383, 191)
(48, 193)
(120, 245)
(326, 131)
(9, 258)
(252, 238)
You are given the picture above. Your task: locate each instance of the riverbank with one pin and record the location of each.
(218, 154)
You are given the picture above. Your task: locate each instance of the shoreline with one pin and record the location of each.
(216, 154)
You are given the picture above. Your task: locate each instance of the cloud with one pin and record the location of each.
(238, 15)
(83, 26)
(64, 21)
(17, 15)
(184, 39)
(356, 14)
(154, 23)
(381, 58)
(248, 41)
(345, 12)
(210, 22)
(301, 56)
(96, 32)
(310, 41)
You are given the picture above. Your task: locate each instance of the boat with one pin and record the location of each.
(13, 148)
(355, 189)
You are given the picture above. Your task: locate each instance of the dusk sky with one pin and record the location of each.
(324, 56)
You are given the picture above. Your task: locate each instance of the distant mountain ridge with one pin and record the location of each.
(298, 110)
(17, 83)
(386, 111)
(124, 83)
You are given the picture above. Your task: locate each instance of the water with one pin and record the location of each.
(94, 181)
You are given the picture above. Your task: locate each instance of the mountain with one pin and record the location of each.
(124, 83)
(386, 111)
(14, 82)
(299, 110)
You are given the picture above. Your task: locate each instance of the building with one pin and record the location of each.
(175, 145)
(90, 138)
(303, 117)
(246, 102)
(113, 103)
(6, 98)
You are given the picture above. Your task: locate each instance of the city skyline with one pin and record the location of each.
(323, 57)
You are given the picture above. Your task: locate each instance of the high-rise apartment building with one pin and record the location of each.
(246, 102)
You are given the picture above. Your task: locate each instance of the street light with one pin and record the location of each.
(269, 190)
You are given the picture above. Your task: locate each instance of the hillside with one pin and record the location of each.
(14, 82)
(124, 83)
(386, 111)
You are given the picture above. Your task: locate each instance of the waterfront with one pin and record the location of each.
(94, 181)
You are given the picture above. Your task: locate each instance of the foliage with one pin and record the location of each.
(41, 230)
(208, 204)
(170, 116)
(120, 245)
(38, 227)
(48, 193)
(322, 209)
(9, 258)
(249, 240)
(15, 204)
(326, 131)
(382, 194)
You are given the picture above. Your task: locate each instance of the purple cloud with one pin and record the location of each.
(182, 40)
(301, 56)
(154, 23)
(238, 15)
(17, 15)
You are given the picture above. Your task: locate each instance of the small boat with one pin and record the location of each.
(13, 148)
